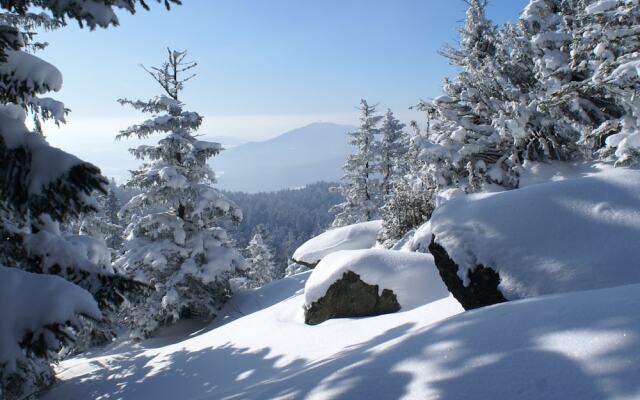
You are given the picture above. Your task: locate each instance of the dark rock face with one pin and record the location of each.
(351, 297)
(483, 287)
(305, 264)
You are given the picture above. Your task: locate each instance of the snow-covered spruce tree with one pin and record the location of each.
(495, 114)
(406, 208)
(360, 183)
(112, 204)
(602, 96)
(102, 225)
(393, 149)
(174, 242)
(477, 152)
(545, 123)
(584, 56)
(261, 268)
(40, 188)
(409, 204)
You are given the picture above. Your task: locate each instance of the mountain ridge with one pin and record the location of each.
(298, 157)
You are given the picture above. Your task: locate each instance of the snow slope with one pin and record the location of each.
(350, 237)
(573, 234)
(583, 345)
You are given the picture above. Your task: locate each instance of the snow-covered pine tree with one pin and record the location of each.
(545, 125)
(409, 204)
(406, 208)
(101, 224)
(495, 113)
(360, 185)
(40, 188)
(261, 269)
(475, 148)
(602, 97)
(112, 204)
(393, 149)
(174, 241)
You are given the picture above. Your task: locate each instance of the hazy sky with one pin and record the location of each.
(265, 66)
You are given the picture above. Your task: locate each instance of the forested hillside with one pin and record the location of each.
(286, 218)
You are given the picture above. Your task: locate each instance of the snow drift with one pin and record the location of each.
(351, 237)
(570, 235)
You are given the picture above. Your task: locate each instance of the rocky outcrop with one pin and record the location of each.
(351, 297)
(306, 264)
(483, 281)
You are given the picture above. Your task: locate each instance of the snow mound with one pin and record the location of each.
(412, 277)
(351, 237)
(569, 235)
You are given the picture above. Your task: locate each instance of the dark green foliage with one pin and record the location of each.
(291, 217)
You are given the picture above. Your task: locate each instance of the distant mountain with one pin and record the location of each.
(297, 158)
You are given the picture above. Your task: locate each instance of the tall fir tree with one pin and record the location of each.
(174, 241)
(409, 204)
(393, 149)
(465, 113)
(49, 280)
(360, 184)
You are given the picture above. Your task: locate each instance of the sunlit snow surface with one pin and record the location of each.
(582, 345)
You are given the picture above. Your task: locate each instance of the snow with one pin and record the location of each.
(172, 178)
(35, 74)
(56, 248)
(601, 6)
(351, 237)
(47, 163)
(261, 350)
(29, 302)
(420, 239)
(627, 74)
(412, 277)
(573, 234)
(583, 345)
(51, 106)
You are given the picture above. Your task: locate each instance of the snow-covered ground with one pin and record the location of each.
(583, 345)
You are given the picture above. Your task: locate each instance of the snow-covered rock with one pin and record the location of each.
(569, 235)
(341, 284)
(351, 237)
(293, 269)
(583, 345)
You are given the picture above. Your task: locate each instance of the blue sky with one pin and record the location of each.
(265, 66)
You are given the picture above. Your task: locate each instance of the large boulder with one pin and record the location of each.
(358, 283)
(482, 287)
(352, 237)
(555, 237)
(350, 296)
